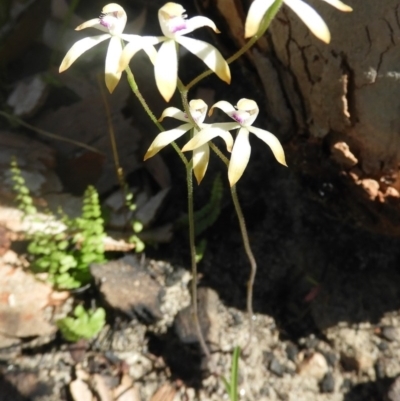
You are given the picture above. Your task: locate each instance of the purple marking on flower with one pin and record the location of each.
(104, 22)
(237, 117)
(179, 27)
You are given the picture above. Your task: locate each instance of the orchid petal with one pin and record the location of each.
(207, 135)
(112, 75)
(226, 126)
(195, 23)
(209, 54)
(225, 106)
(80, 47)
(93, 23)
(272, 141)
(117, 17)
(166, 69)
(255, 15)
(165, 138)
(339, 5)
(175, 113)
(201, 156)
(311, 18)
(127, 53)
(240, 156)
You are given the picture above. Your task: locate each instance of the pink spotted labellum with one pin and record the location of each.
(112, 20)
(174, 25)
(244, 115)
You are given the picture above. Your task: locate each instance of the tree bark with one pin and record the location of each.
(343, 98)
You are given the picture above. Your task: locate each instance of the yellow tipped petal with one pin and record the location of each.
(339, 5)
(255, 15)
(165, 138)
(224, 106)
(112, 76)
(80, 47)
(272, 141)
(240, 156)
(166, 69)
(209, 54)
(201, 157)
(311, 18)
(127, 53)
(198, 22)
(173, 112)
(93, 23)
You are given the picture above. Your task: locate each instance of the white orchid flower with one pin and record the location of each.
(244, 114)
(112, 20)
(305, 12)
(201, 155)
(174, 26)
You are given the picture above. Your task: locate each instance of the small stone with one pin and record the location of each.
(383, 346)
(380, 368)
(342, 155)
(327, 384)
(331, 358)
(394, 390)
(314, 365)
(292, 351)
(346, 385)
(276, 367)
(390, 333)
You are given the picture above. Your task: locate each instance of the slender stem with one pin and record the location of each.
(136, 91)
(269, 16)
(189, 180)
(118, 168)
(246, 244)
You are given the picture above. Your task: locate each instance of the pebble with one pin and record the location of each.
(394, 390)
(276, 367)
(292, 351)
(314, 365)
(327, 384)
(383, 346)
(380, 368)
(390, 333)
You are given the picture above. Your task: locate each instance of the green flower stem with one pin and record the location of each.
(246, 244)
(136, 91)
(189, 180)
(269, 16)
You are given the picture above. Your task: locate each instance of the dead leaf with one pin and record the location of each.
(165, 393)
(126, 391)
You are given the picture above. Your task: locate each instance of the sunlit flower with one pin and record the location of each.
(305, 12)
(112, 20)
(201, 155)
(174, 26)
(244, 114)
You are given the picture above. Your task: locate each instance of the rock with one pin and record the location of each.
(292, 351)
(327, 384)
(394, 390)
(127, 285)
(276, 367)
(314, 365)
(208, 318)
(341, 154)
(390, 333)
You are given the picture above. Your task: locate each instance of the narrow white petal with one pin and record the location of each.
(255, 15)
(175, 113)
(207, 135)
(209, 54)
(240, 156)
(166, 69)
(311, 18)
(339, 5)
(79, 48)
(201, 156)
(112, 63)
(225, 106)
(127, 53)
(165, 138)
(195, 23)
(272, 141)
(226, 126)
(93, 23)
